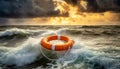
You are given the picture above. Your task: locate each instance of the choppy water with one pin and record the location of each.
(96, 47)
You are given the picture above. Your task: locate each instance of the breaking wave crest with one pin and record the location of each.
(17, 31)
(24, 54)
(89, 59)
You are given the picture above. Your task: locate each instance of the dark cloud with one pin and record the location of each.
(112, 5)
(98, 5)
(23, 8)
(33, 8)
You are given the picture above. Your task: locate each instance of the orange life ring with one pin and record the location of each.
(58, 47)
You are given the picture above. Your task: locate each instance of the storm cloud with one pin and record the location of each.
(98, 5)
(31, 8)
(20, 12)
(22, 8)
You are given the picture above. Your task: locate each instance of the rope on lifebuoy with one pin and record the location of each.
(57, 37)
(57, 56)
(44, 54)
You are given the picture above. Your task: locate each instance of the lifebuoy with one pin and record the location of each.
(58, 47)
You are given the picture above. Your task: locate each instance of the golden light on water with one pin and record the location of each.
(75, 17)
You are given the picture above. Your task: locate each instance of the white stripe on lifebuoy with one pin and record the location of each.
(59, 36)
(53, 47)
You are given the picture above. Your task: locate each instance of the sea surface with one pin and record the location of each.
(96, 47)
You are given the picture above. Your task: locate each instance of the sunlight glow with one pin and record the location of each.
(73, 16)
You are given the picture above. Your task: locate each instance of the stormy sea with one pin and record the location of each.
(96, 47)
(23, 23)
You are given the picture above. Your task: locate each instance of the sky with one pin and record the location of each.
(59, 12)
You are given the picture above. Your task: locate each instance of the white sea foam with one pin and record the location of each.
(24, 54)
(80, 57)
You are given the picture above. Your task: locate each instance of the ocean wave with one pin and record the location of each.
(17, 31)
(26, 53)
(79, 56)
